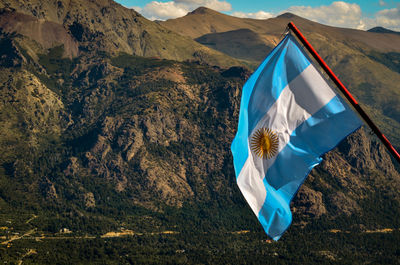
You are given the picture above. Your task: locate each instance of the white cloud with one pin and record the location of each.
(178, 8)
(339, 14)
(213, 4)
(348, 15)
(136, 8)
(159, 10)
(258, 15)
(196, 2)
(388, 18)
(218, 5)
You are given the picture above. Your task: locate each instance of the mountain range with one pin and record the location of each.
(367, 62)
(114, 123)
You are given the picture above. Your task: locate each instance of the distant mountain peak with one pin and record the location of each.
(382, 30)
(287, 15)
(202, 10)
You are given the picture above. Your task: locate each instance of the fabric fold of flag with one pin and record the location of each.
(289, 117)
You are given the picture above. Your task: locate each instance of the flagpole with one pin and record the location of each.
(344, 90)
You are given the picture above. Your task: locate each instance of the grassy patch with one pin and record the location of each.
(54, 63)
(136, 65)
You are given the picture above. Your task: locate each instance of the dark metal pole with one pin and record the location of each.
(344, 90)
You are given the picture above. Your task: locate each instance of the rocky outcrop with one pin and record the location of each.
(351, 172)
(309, 202)
(30, 112)
(89, 200)
(10, 56)
(48, 189)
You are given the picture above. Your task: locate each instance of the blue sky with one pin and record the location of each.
(360, 14)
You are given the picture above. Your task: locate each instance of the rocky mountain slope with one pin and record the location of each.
(155, 133)
(99, 140)
(101, 26)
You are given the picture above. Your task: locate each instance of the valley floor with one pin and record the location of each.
(172, 247)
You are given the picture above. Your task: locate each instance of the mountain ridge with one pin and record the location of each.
(382, 30)
(216, 22)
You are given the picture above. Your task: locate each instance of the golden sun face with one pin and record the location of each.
(264, 143)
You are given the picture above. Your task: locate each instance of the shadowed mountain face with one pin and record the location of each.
(256, 46)
(95, 140)
(382, 30)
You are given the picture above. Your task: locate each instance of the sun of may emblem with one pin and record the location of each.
(264, 143)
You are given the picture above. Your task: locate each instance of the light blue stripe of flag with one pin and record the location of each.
(308, 142)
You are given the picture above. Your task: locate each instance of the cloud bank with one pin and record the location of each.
(178, 8)
(258, 15)
(338, 13)
(388, 18)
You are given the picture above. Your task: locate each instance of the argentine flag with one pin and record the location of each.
(289, 117)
